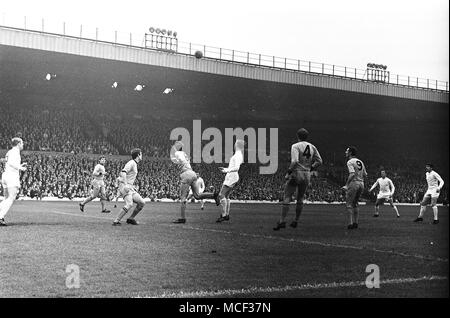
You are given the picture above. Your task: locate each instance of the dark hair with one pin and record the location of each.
(430, 165)
(101, 157)
(302, 134)
(135, 153)
(353, 151)
(15, 141)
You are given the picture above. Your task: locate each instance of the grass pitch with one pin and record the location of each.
(240, 258)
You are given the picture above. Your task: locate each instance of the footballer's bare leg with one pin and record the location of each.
(140, 203)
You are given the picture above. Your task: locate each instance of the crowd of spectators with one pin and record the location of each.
(69, 176)
(76, 133)
(53, 129)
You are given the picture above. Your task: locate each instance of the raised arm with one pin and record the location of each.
(374, 186)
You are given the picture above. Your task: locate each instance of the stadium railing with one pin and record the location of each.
(80, 31)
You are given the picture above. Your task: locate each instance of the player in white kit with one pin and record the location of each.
(98, 186)
(304, 158)
(231, 178)
(11, 177)
(354, 186)
(188, 180)
(127, 189)
(201, 188)
(386, 193)
(435, 184)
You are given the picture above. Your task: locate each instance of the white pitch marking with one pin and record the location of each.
(253, 290)
(360, 248)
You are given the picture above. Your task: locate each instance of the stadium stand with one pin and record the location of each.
(69, 119)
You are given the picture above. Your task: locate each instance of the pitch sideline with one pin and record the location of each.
(257, 290)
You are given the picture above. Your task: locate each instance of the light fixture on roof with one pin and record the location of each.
(139, 87)
(161, 39)
(49, 76)
(377, 72)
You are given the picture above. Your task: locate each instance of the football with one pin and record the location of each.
(199, 54)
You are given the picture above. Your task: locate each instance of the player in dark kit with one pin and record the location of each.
(304, 158)
(354, 186)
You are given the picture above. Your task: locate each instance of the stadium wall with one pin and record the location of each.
(118, 52)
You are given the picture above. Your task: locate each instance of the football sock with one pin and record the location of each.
(183, 210)
(224, 203)
(396, 210)
(422, 211)
(136, 211)
(298, 210)
(435, 212)
(355, 215)
(102, 202)
(122, 213)
(350, 215)
(284, 212)
(228, 206)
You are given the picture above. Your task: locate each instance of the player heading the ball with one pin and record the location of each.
(231, 179)
(188, 180)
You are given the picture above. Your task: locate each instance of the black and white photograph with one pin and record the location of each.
(218, 156)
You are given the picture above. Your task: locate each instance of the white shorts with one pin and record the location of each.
(432, 192)
(231, 179)
(385, 196)
(200, 191)
(126, 189)
(10, 181)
